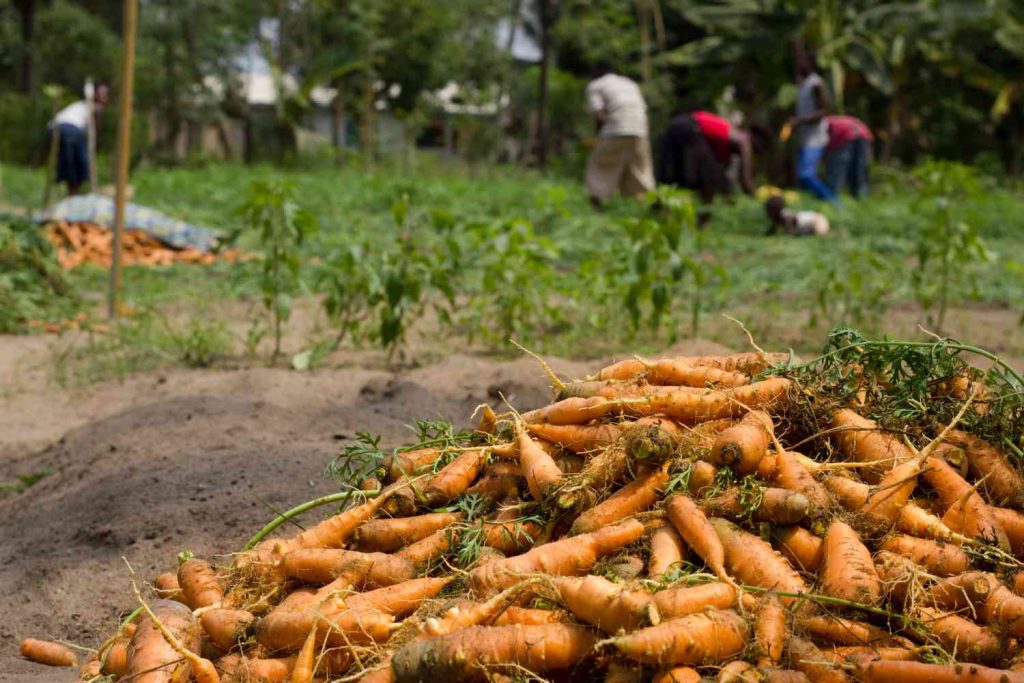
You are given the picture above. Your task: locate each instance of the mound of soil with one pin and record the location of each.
(195, 460)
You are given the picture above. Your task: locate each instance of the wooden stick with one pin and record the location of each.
(124, 139)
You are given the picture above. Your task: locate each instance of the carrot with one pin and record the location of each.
(888, 498)
(200, 586)
(90, 671)
(842, 631)
(746, 363)
(497, 482)
(745, 444)
(969, 641)
(672, 371)
(115, 659)
(151, 658)
(1002, 484)
(50, 654)
(738, 671)
(387, 535)
(861, 440)
(695, 406)
(166, 587)
(1012, 523)
(702, 476)
(636, 496)
(847, 571)
(678, 602)
(525, 615)
(770, 631)
(887, 671)
(571, 556)
(569, 463)
(578, 438)
(695, 528)
(323, 565)
(606, 605)
(784, 676)
(462, 656)
(901, 577)
(453, 479)
(510, 533)
(861, 655)
(572, 411)
(247, 669)
(798, 545)
(754, 562)
(792, 474)
(226, 627)
(410, 463)
(335, 531)
(995, 604)
(302, 671)
(804, 656)
(667, 552)
(781, 506)
(426, 550)
(678, 674)
(916, 521)
(709, 637)
(850, 493)
(966, 510)
(942, 559)
(538, 468)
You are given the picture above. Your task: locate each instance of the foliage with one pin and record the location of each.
(281, 226)
(32, 286)
(854, 286)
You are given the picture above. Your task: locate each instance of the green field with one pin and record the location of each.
(414, 259)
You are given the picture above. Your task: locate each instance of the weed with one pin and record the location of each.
(23, 482)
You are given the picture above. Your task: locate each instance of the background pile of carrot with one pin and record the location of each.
(78, 243)
(661, 521)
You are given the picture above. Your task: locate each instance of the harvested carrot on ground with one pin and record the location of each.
(798, 545)
(678, 602)
(768, 504)
(538, 468)
(753, 561)
(679, 674)
(847, 570)
(743, 446)
(166, 587)
(425, 550)
(888, 671)
(45, 652)
(323, 565)
(805, 657)
(942, 559)
(667, 553)
(387, 535)
(572, 411)
(526, 615)
(698, 533)
(710, 637)
(1001, 482)
(862, 440)
(770, 631)
(577, 438)
(606, 605)
(972, 643)
(792, 474)
(966, 511)
(226, 627)
(150, 652)
(200, 586)
(637, 496)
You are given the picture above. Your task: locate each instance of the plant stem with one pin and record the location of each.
(299, 509)
(826, 600)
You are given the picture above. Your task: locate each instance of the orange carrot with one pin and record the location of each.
(695, 406)
(745, 444)
(792, 474)
(387, 535)
(770, 631)
(323, 565)
(636, 496)
(678, 602)
(457, 656)
(995, 604)
(453, 479)
(850, 493)
(571, 556)
(746, 363)
(572, 411)
(888, 671)
(497, 482)
(886, 500)
(91, 670)
(667, 552)
(245, 669)
(1002, 483)
(1012, 523)
(578, 438)
(115, 659)
(738, 671)
(847, 571)
(166, 587)
(861, 440)
(305, 662)
(969, 641)
(200, 586)
(702, 477)
(226, 627)
(45, 652)
(606, 605)
(335, 531)
(426, 550)
(798, 545)
(842, 631)
(754, 562)
(525, 615)
(538, 468)
(695, 528)
(678, 674)
(804, 656)
(966, 511)
(942, 559)
(781, 506)
(672, 371)
(149, 651)
(411, 463)
(510, 533)
(709, 637)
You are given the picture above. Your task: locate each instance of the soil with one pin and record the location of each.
(190, 460)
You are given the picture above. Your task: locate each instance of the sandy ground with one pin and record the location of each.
(188, 460)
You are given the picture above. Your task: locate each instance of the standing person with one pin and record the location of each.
(621, 158)
(809, 125)
(849, 155)
(71, 125)
(697, 148)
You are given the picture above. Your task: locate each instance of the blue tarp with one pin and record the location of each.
(99, 209)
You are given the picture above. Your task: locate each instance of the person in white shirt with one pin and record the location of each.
(621, 158)
(71, 125)
(796, 223)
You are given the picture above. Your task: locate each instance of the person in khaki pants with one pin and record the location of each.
(621, 158)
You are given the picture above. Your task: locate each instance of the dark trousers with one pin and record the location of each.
(848, 166)
(685, 160)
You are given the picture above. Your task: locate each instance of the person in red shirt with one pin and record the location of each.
(696, 151)
(848, 155)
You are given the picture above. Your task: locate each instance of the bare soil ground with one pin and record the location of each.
(189, 460)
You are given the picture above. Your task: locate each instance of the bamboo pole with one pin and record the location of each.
(124, 139)
(90, 99)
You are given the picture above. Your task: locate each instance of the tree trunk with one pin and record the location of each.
(544, 12)
(27, 10)
(369, 116)
(338, 132)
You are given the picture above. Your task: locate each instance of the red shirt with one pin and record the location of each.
(842, 129)
(716, 131)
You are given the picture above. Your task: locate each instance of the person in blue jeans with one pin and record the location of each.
(849, 155)
(809, 126)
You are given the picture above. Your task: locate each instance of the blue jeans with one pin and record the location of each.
(808, 158)
(848, 166)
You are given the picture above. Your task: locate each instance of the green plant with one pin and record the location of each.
(854, 286)
(23, 482)
(946, 244)
(201, 342)
(32, 285)
(281, 227)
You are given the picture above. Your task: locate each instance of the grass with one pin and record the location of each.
(786, 290)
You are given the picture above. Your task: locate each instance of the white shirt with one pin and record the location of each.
(76, 114)
(810, 134)
(622, 103)
(805, 222)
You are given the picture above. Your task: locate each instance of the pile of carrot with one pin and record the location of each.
(664, 521)
(79, 243)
